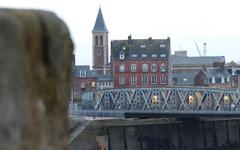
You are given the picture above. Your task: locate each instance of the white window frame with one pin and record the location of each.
(154, 68)
(133, 68)
(144, 67)
(154, 79)
(133, 79)
(163, 67)
(142, 46)
(162, 45)
(122, 68)
(144, 79)
(154, 55)
(121, 79)
(82, 73)
(163, 79)
(163, 55)
(134, 55)
(121, 55)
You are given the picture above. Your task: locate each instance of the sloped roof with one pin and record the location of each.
(217, 72)
(104, 78)
(185, 77)
(100, 24)
(139, 47)
(89, 73)
(205, 60)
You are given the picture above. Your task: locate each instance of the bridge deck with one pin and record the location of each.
(165, 102)
(154, 114)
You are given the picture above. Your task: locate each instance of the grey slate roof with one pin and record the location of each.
(217, 72)
(206, 60)
(100, 24)
(138, 47)
(104, 78)
(89, 73)
(185, 77)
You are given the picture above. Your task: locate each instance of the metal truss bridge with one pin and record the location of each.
(166, 102)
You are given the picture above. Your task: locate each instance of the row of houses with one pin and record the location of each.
(138, 63)
(181, 71)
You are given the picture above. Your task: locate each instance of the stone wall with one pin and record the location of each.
(161, 134)
(35, 71)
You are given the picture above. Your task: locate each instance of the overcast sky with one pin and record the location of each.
(215, 22)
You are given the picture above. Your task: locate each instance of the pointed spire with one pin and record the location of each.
(100, 24)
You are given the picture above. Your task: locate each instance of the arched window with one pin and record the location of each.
(121, 55)
(144, 67)
(96, 40)
(163, 68)
(101, 40)
(122, 68)
(154, 67)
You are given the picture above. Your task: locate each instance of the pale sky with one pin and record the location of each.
(215, 22)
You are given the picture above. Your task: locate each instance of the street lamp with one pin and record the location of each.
(154, 99)
(225, 98)
(191, 100)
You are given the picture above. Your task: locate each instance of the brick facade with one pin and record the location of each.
(140, 63)
(139, 73)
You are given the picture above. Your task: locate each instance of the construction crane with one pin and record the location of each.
(199, 52)
(204, 49)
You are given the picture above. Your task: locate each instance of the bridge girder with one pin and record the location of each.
(168, 99)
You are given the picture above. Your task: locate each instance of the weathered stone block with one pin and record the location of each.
(35, 71)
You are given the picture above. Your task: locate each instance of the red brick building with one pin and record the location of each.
(84, 80)
(140, 62)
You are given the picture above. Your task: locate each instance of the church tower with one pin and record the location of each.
(100, 45)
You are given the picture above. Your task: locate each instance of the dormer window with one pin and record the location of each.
(121, 55)
(163, 55)
(83, 73)
(134, 55)
(143, 46)
(154, 55)
(162, 45)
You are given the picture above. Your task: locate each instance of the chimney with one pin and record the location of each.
(129, 40)
(150, 41)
